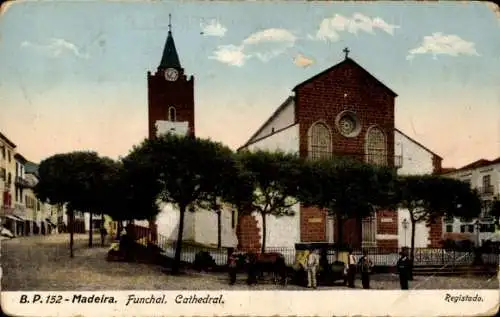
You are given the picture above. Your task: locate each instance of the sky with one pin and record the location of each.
(73, 74)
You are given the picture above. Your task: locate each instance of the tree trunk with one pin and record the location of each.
(264, 230)
(412, 246)
(178, 247)
(71, 215)
(90, 229)
(219, 229)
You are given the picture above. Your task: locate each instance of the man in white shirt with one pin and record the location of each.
(351, 269)
(312, 268)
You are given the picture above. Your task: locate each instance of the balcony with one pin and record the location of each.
(21, 182)
(371, 158)
(487, 190)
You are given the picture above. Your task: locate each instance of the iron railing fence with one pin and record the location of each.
(379, 256)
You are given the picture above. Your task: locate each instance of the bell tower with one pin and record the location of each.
(170, 94)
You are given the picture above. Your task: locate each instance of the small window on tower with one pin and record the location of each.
(171, 114)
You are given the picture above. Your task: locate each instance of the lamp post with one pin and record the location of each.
(405, 227)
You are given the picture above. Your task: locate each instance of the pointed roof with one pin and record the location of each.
(350, 61)
(170, 57)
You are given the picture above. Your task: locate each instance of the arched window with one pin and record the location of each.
(171, 114)
(320, 141)
(376, 148)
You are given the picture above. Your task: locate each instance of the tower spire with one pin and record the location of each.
(170, 58)
(169, 23)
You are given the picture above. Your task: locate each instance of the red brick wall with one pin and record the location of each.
(323, 98)
(384, 227)
(435, 233)
(389, 245)
(248, 233)
(162, 94)
(312, 231)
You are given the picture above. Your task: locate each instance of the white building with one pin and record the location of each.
(484, 175)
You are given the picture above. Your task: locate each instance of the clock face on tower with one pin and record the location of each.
(171, 74)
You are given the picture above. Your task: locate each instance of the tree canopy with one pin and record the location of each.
(428, 197)
(346, 188)
(274, 178)
(187, 170)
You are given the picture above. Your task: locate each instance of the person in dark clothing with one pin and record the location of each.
(351, 269)
(232, 266)
(404, 267)
(104, 233)
(251, 262)
(365, 266)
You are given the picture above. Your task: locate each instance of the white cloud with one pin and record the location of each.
(213, 28)
(330, 28)
(302, 61)
(439, 43)
(230, 54)
(56, 47)
(263, 45)
(270, 35)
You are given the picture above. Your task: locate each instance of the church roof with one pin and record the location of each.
(274, 115)
(351, 62)
(417, 143)
(170, 58)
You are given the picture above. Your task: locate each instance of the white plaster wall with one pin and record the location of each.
(416, 160)
(281, 231)
(178, 128)
(475, 177)
(421, 231)
(285, 118)
(206, 228)
(168, 223)
(286, 141)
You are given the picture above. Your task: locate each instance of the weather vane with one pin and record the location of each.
(170, 22)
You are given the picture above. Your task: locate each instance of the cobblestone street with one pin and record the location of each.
(43, 263)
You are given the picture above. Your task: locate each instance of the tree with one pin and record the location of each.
(429, 197)
(66, 179)
(239, 189)
(132, 189)
(275, 177)
(186, 169)
(347, 188)
(216, 187)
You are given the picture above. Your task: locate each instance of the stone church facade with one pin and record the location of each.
(342, 111)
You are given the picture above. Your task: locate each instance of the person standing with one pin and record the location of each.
(404, 266)
(312, 268)
(351, 269)
(251, 262)
(232, 266)
(365, 266)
